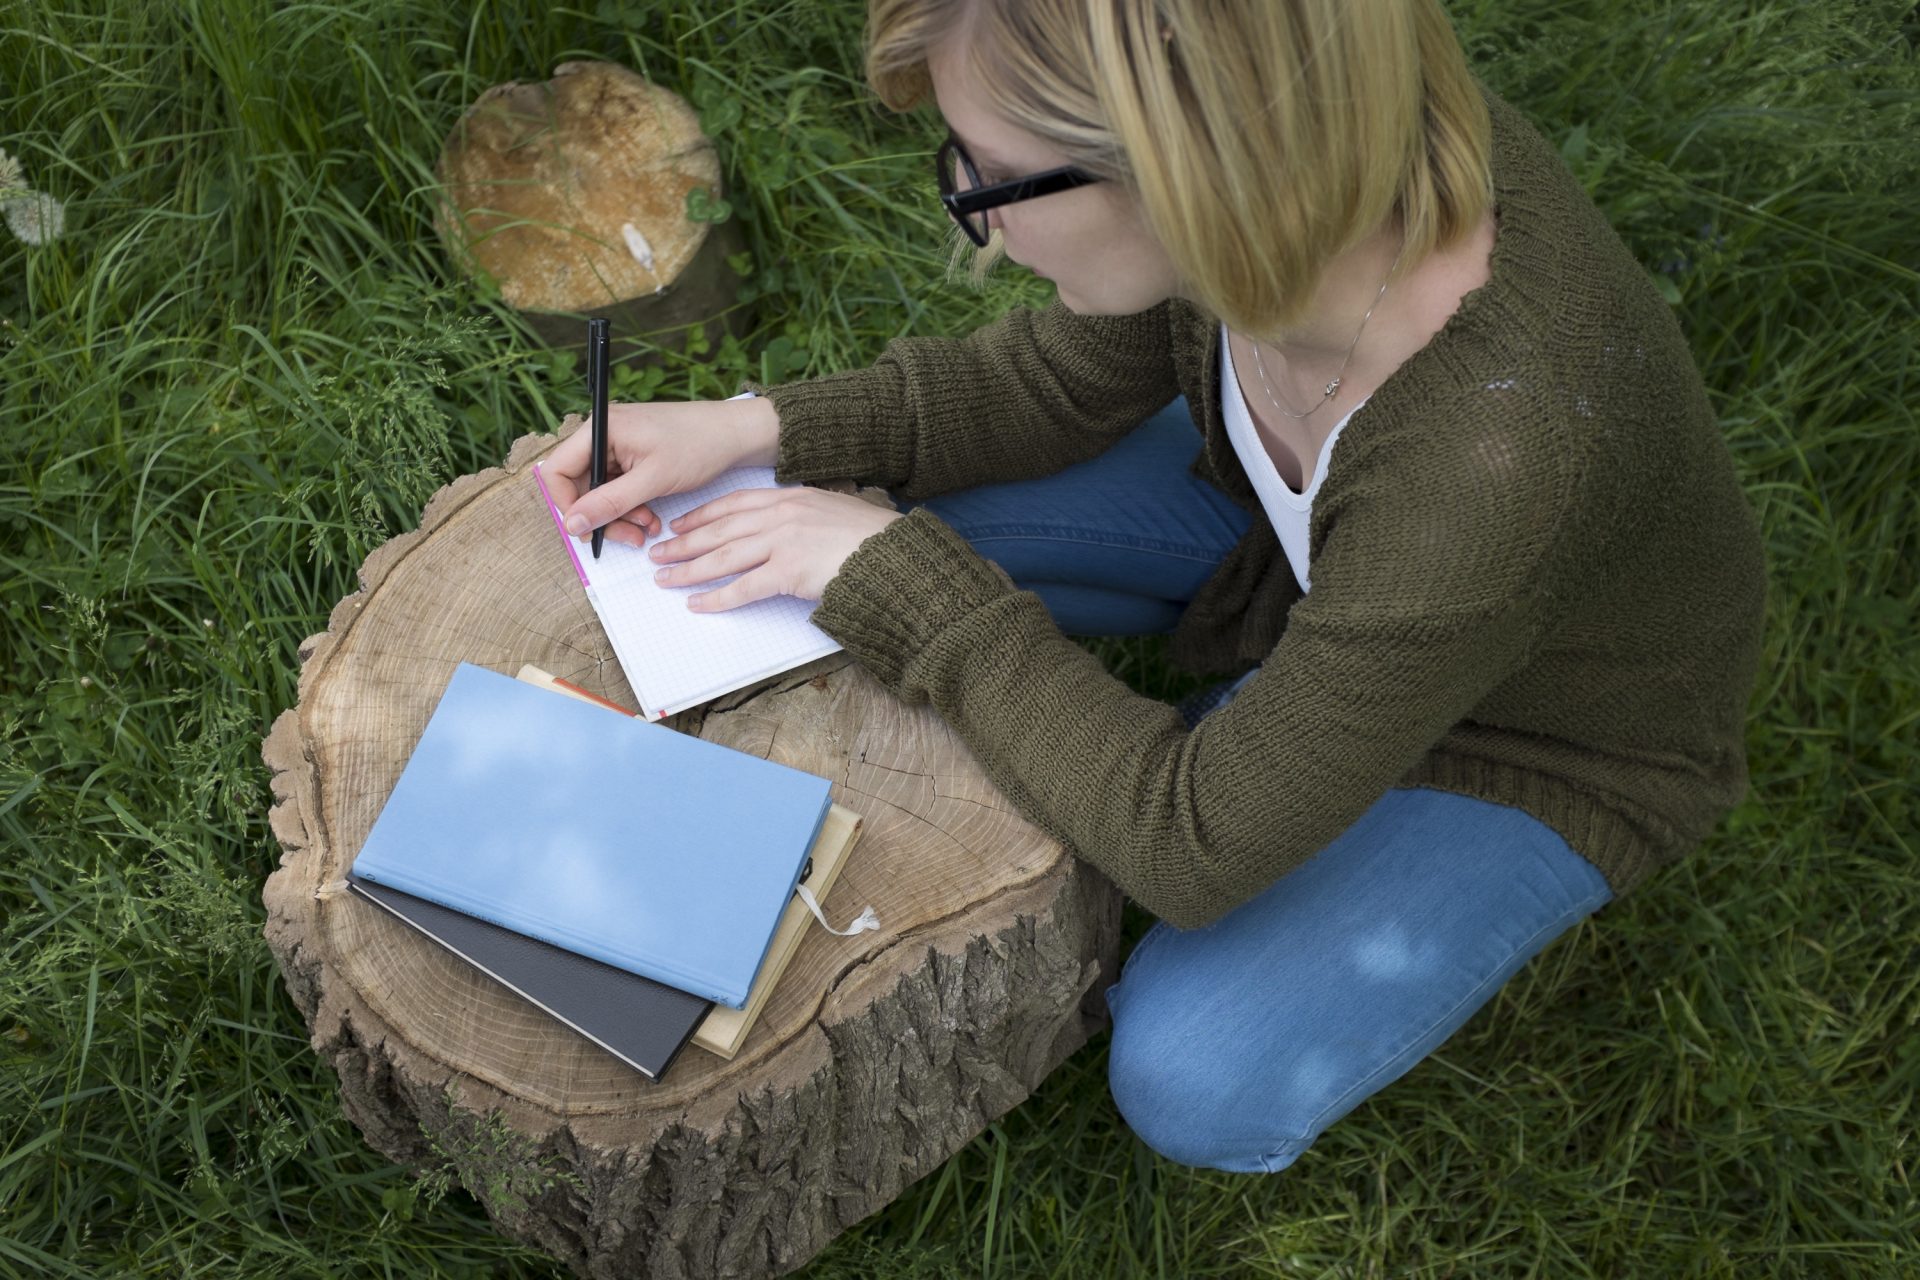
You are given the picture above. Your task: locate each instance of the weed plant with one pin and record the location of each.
(243, 362)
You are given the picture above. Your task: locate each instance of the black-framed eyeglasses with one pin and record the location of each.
(967, 198)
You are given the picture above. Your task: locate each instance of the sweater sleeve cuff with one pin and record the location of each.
(844, 426)
(900, 588)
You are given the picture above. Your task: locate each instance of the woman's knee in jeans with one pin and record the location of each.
(1181, 1089)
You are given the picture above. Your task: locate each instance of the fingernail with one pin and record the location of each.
(577, 526)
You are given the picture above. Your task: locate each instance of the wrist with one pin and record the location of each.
(759, 432)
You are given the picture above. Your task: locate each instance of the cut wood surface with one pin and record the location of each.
(571, 195)
(572, 192)
(877, 1056)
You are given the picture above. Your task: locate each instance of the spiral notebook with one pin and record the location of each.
(673, 657)
(646, 849)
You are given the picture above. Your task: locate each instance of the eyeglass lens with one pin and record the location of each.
(964, 177)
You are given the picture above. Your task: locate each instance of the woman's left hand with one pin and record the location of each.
(780, 542)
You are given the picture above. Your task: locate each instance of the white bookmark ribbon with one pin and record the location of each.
(865, 921)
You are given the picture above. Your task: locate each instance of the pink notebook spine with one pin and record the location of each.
(561, 525)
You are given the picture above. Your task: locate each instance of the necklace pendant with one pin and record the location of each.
(1332, 387)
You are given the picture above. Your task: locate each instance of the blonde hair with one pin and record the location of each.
(1261, 138)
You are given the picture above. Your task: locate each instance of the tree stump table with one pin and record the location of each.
(877, 1056)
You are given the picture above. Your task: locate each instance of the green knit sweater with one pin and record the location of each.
(1535, 578)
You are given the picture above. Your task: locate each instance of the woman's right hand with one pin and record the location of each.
(654, 449)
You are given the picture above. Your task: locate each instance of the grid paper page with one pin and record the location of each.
(675, 658)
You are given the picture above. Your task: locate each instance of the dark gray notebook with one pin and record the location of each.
(642, 1022)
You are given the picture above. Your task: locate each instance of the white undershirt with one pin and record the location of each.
(1291, 513)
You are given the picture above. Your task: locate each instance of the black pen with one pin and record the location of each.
(597, 341)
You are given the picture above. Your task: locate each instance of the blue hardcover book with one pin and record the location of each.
(643, 848)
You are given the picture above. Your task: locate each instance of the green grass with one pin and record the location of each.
(245, 364)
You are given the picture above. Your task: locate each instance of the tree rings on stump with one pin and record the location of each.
(571, 195)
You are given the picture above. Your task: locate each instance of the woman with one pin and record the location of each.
(1494, 647)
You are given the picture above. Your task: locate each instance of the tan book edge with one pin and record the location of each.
(724, 1030)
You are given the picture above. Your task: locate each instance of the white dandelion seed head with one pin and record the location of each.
(12, 176)
(35, 217)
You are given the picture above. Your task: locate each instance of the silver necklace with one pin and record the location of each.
(1333, 386)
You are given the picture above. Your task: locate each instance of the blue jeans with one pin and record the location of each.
(1236, 1044)
(1115, 546)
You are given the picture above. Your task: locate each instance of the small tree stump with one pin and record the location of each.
(875, 1059)
(571, 195)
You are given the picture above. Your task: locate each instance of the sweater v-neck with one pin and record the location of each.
(1290, 511)
(1497, 324)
